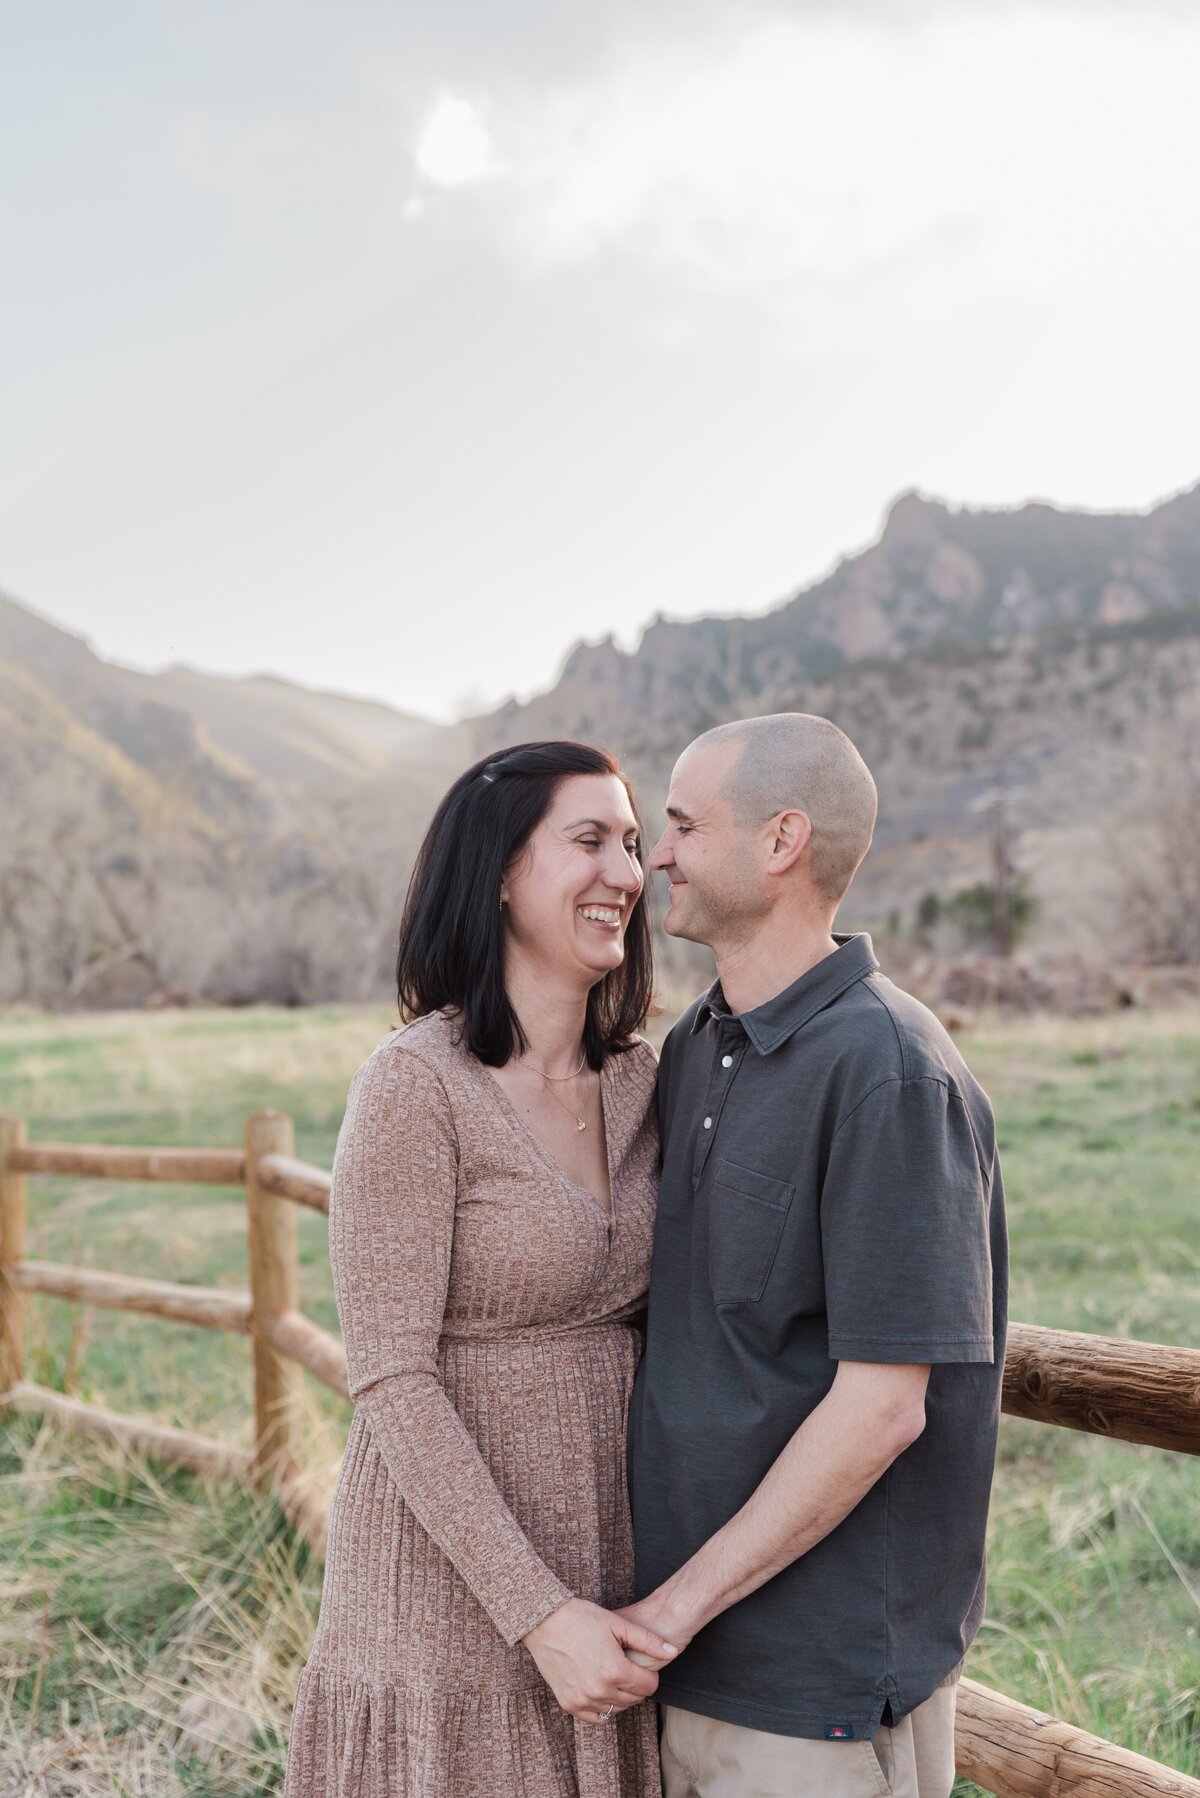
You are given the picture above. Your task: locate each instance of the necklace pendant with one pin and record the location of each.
(581, 1123)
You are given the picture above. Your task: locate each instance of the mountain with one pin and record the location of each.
(1025, 677)
(1049, 656)
(936, 577)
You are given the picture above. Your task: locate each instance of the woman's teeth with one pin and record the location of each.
(600, 914)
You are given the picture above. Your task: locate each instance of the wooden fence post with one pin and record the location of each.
(274, 1288)
(12, 1249)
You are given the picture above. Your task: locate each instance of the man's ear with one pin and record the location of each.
(790, 835)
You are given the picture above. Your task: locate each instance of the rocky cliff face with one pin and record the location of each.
(1047, 654)
(936, 577)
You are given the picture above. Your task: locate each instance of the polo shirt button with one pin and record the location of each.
(708, 1123)
(727, 1061)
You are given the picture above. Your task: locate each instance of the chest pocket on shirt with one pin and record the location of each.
(746, 1215)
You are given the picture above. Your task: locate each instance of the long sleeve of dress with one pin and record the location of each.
(391, 1228)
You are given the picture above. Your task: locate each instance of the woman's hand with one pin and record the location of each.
(580, 1653)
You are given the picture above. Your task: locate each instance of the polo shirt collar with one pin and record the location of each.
(773, 1022)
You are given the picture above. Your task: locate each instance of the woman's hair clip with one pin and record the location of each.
(491, 769)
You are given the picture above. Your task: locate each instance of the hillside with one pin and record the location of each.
(253, 728)
(184, 832)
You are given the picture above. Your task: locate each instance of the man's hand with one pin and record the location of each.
(650, 1612)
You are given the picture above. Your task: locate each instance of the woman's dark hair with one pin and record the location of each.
(451, 942)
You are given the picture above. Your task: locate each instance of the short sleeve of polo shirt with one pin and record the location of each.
(904, 1230)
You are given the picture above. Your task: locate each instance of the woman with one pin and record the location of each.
(490, 1227)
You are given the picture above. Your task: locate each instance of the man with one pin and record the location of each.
(813, 1427)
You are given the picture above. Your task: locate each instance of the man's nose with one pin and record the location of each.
(660, 855)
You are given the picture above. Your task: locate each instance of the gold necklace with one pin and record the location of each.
(580, 1122)
(559, 1078)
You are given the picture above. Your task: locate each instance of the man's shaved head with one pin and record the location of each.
(796, 761)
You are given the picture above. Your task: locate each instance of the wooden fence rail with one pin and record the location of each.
(1018, 1752)
(1140, 1392)
(295, 1180)
(99, 1161)
(212, 1307)
(1135, 1391)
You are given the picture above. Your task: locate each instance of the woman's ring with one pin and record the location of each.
(605, 1715)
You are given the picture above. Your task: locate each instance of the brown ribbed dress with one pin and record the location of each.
(484, 1299)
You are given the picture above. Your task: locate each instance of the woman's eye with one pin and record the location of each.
(595, 843)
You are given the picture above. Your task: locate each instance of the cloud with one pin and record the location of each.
(453, 146)
(805, 164)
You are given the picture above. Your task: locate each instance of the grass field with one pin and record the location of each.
(143, 1611)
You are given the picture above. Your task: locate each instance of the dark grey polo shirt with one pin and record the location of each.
(830, 1191)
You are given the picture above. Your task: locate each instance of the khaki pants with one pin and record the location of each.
(702, 1758)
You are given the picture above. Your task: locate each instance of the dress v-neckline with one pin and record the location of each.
(608, 1217)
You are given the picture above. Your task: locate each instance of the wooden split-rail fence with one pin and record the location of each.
(1140, 1392)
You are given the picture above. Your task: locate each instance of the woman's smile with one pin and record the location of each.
(602, 917)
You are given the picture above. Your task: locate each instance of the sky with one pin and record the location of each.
(394, 348)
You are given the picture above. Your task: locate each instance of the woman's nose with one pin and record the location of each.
(623, 873)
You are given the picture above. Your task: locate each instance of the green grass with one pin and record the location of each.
(135, 1600)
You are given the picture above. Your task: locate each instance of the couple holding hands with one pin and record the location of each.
(674, 1380)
